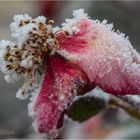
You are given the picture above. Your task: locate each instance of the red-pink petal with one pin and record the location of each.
(62, 82)
(107, 57)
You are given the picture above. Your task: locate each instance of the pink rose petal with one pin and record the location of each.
(107, 57)
(62, 82)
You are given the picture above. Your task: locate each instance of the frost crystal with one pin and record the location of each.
(69, 25)
(79, 13)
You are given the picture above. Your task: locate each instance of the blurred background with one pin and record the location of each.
(112, 123)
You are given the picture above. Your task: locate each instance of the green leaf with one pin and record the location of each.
(85, 107)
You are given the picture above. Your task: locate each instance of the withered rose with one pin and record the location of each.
(61, 63)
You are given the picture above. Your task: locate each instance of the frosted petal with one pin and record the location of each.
(107, 57)
(62, 82)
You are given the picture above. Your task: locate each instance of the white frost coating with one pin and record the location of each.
(56, 29)
(21, 96)
(30, 87)
(20, 33)
(62, 97)
(10, 76)
(17, 32)
(3, 44)
(18, 18)
(23, 92)
(34, 94)
(97, 92)
(41, 19)
(8, 79)
(134, 98)
(68, 55)
(27, 63)
(33, 98)
(77, 14)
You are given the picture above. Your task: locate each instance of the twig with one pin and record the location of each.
(132, 110)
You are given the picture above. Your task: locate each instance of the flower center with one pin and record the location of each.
(28, 57)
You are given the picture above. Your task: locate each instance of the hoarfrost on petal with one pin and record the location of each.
(106, 56)
(77, 14)
(62, 81)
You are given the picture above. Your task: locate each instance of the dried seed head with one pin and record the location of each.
(35, 40)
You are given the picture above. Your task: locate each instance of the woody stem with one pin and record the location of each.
(130, 107)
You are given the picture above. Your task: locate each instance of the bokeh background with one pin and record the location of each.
(112, 123)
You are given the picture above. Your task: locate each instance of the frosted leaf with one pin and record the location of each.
(97, 93)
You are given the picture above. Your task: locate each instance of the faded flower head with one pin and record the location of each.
(26, 57)
(60, 63)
